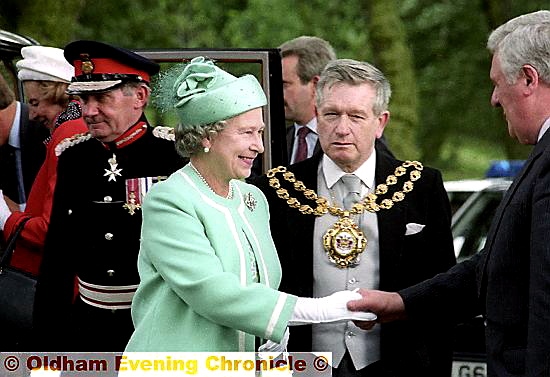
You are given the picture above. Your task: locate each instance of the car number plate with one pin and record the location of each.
(469, 369)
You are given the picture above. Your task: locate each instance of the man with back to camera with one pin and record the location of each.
(96, 216)
(509, 281)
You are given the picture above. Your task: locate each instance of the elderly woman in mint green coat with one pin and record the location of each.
(208, 266)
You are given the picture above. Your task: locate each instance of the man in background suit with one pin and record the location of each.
(321, 252)
(303, 60)
(22, 148)
(509, 281)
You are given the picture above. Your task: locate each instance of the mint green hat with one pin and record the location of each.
(203, 93)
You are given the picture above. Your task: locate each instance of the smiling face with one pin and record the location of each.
(233, 150)
(42, 108)
(108, 115)
(347, 126)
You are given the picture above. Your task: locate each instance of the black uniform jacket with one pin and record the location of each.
(406, 349)
(91, 234)
(509, 279)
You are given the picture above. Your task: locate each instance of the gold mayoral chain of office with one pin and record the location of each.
(345, 241)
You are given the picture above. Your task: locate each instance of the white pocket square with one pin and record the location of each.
(413, 228)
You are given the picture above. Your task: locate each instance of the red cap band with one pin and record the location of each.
(109, 66)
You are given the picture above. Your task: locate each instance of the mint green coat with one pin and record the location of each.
(197, 291)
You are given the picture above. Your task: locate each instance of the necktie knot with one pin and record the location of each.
(302, 132)
(352, 185)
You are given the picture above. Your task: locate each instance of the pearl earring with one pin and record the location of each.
(206, 149)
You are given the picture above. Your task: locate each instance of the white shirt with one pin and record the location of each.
(543, 129)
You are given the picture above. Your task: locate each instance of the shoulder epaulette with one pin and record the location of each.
(70, 141)
(163, 132)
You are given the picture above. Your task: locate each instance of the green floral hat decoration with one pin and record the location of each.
(202, 93)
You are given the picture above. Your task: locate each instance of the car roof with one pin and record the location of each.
(11, 44)
(472, 185)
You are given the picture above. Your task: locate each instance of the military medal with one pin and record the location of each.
(344, 241)
(136, 188)
(113, 172)
(133, 199)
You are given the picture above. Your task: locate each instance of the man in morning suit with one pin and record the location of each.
(508, 282)
(321, 242)
(95, 225)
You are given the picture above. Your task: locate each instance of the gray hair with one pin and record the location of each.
(353, 72)
(523, 40)
(313, 55)
(189, 138)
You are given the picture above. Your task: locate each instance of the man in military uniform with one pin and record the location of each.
(89, 270)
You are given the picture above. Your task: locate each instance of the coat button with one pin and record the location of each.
(111, 272)
(109, 236)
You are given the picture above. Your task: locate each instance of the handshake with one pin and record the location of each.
(327, 309)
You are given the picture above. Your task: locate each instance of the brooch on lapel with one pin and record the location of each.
(250, 201)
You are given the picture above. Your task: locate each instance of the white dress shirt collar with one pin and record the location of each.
(312, 125)
(365, 172)
(543, 129)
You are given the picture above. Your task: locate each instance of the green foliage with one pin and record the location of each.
(393, 56)
(433, 52)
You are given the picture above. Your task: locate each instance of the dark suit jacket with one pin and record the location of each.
(33, 152)
(404, 260)
(509, 280)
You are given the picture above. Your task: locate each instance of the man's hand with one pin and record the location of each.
(388, 306)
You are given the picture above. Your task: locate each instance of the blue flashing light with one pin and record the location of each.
(504, 168)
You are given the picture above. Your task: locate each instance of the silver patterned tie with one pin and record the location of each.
(352, 184)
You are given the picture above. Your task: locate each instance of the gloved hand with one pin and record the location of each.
(4, 211)
(271, 346)
(331, 308)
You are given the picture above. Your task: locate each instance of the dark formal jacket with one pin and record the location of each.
(406, 349)
(509, 280)
(94, 235)
(33, 152)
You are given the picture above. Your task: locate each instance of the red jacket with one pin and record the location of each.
(28, 252)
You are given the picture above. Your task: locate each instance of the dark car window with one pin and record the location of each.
(471, 223)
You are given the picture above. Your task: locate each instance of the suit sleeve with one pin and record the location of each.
(538, 330)
(446, 296)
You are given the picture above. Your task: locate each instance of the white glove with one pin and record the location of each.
(271, 346)
(331, 308)
(4, 211)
